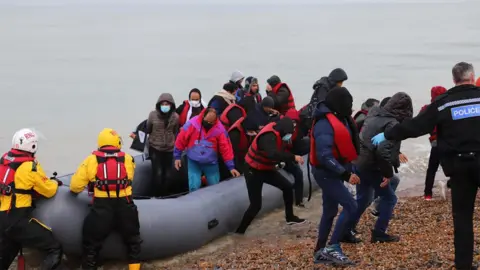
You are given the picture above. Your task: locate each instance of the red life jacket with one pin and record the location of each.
(291, 102)
(111, 171)
(256, 158)
(183, 115)
(224, 118)
(243, 145)
(357, 114)
(257, 96)
(9, 163)
(343, 149)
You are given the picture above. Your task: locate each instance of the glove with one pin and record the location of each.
(377, 139)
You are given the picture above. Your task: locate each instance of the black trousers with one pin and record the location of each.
(107, 214)
(162, 163)
(433, 163)
(254, 180)
(295, 170)
(19, 230)
(464, 184)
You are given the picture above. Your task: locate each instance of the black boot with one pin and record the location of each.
(89, 260)
(53, 259)
(350, 237)
(382, 237)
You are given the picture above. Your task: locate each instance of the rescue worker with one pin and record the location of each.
(241, 135)
(360, 116)
(333, 147)
(191, 107)
(434, 159)
(223, 98)
(266, 151)
(281, 94)
(456, 115)
(108, 171)
(377, 165)
(23, 176)
(252, 94)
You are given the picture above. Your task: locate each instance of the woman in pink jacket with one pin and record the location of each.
(202, 138)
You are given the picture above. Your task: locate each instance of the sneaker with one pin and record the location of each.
(427, 197)
(319, 259)
(374, 212)
(381, 237)
(295, 220)
(443, 189)
(350, 237)
(335, 254)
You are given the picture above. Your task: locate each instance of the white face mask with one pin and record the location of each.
(195, 103)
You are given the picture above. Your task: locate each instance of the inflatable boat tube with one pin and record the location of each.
(167, 226)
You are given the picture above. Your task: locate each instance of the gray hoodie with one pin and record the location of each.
(163, 127)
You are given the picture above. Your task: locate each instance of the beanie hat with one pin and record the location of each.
(268, 102)
(338, 75)
(437, 91)
(230, 87)
(384, 101)
(236, 76)
(274, 80)
(340, 101)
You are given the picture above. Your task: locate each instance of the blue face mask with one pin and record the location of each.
(165, 108)
(287, 137)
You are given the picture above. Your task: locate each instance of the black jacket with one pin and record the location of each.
(456, 114)
(384, 156)
(281, 98)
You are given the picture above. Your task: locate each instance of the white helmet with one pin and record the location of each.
(25, 140)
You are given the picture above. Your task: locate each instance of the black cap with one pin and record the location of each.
(338, 75)
(230, 87)
(274, 80)
(268, 102)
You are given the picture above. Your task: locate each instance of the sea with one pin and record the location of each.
(73, 67)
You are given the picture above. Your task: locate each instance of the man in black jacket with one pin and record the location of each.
(376, 165)
(456, 114)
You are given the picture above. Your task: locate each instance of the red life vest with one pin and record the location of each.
(291, 102)
(111, 171)
(357, 114)
(256, 158)
(224, 118)
(257, 96)
(183, 116)
(243, 144)
(9, 163)
(343, 149)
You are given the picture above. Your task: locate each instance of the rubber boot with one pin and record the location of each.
(52, 260)
(134, 266)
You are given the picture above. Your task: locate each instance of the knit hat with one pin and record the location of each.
(338, 75)
(230, 87)
(274, 80)
(340, 101)
(284, 126)
(437, 91)
(236, 76)
(268, 102)
(384, 101)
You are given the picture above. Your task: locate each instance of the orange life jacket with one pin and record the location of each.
(343, 149)
(224, 118)
(291, 102)
(111, 171)
(243, 144)
(183, 115)
(256, 158)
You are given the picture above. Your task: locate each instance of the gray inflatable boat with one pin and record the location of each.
(167, 226)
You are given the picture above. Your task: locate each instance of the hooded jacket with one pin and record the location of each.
(162, 127)
(248, 98)
(384, 157)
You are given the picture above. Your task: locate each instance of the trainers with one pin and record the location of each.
(427, 197)
(295, 220)
(319, 259)
(350, 237)
(443, 189)
(335, 254)
(381, 237)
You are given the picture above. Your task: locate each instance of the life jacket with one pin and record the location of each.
(243, 144)
(183, 115)
(343, 149)
(291, 102)
(256, 158)
(224, 118)
(357, 114)
(9, 163)
(111, 171)
(257, 96)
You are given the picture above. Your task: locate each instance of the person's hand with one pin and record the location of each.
(377, 139)
(178, 164)
(235, 173)
(273, 111)
(299, 160)
(354, 179)
(385, 182)
(133, 135)
(402, 158)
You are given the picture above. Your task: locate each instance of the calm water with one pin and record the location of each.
(71, 68)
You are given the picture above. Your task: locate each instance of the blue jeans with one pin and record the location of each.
(195, 170)
(334, 193)
(370, 183)
(394, 182)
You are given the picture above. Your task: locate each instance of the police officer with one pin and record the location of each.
(22, 175)
(456, 114)
(109, 172)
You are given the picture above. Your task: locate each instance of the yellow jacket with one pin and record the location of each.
(87, 172)
(29, 176)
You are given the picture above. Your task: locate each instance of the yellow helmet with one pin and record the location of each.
(109, 137)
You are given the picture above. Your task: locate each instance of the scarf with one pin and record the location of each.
(227, 96)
